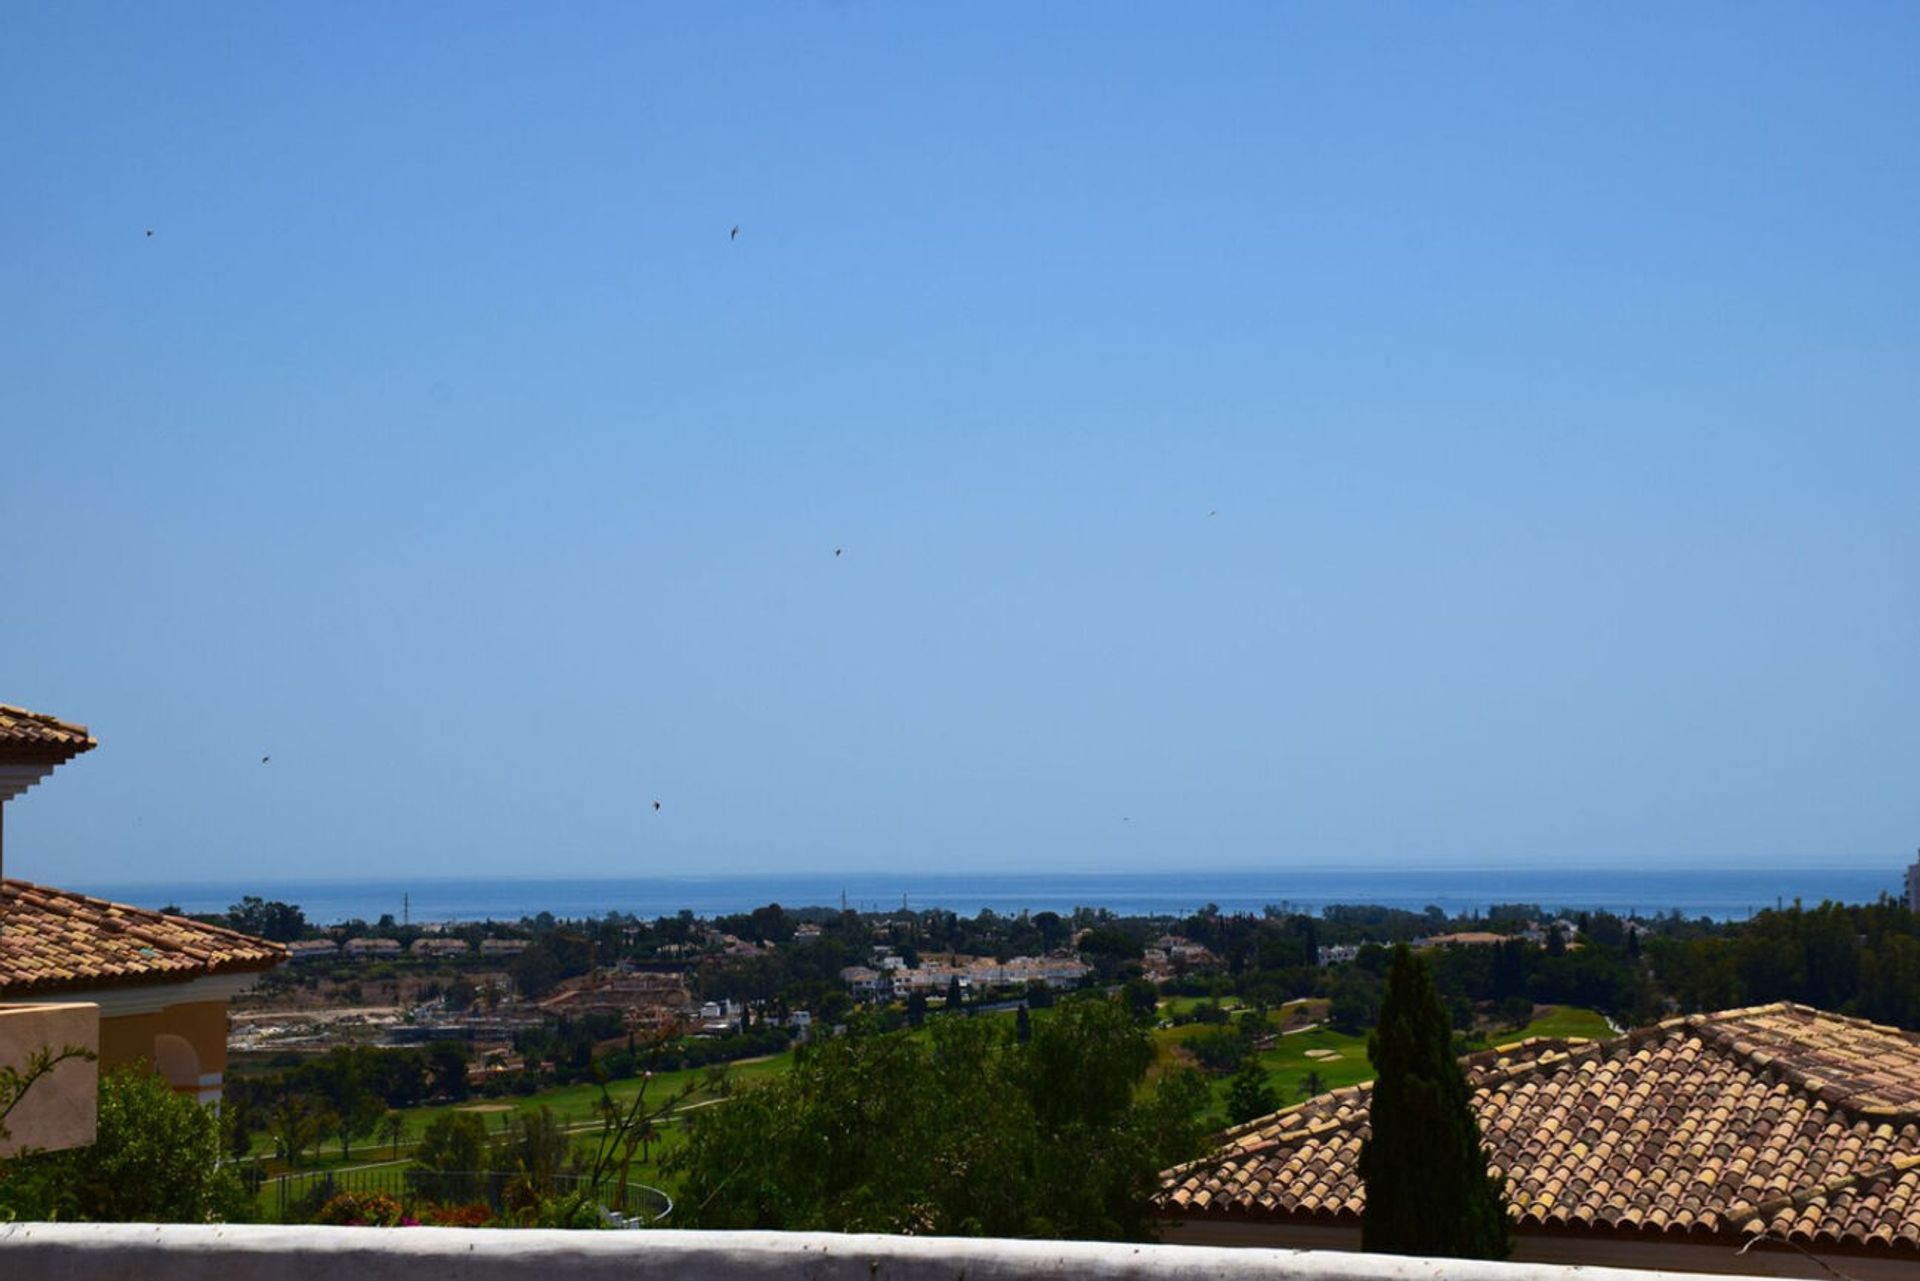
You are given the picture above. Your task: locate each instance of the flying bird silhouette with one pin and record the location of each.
(656, 807)
(837, 551)
(149, 233)
(731, 235)
(265, 759)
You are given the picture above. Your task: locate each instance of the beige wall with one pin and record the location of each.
(60, 1109)
(186, 1043)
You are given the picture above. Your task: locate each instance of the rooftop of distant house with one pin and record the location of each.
(54, 940)
(1774, 1120)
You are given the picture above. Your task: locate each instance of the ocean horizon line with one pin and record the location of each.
(1721, 893)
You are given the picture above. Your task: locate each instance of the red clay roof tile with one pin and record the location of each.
(53, 940)
(26, 735)
(1776, 1118)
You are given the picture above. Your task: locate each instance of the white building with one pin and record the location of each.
(865, 983)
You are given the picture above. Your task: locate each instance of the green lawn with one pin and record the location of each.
(1560, 1021)
(1289, 1064)
(575, 1105)
(1173, 1005)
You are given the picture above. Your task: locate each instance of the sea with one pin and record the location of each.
(1728, 893)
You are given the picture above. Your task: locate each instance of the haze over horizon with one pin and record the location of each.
(1114, 439)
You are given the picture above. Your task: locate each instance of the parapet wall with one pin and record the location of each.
(193, 1252)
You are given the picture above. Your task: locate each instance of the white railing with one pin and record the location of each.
(194, 1252)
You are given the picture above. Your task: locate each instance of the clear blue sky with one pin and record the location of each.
(1316, 434)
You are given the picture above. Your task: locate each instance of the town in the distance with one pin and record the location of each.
(619, 1071)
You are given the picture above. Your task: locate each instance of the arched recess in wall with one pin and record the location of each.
(175, 1058)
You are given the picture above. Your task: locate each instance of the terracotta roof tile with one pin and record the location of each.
(26, 735)
(1776, 1118)
(53, 940)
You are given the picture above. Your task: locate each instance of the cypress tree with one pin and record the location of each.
(1425, 1167)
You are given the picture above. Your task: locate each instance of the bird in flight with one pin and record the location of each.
(265, 759)
(149, 233)
(838, 550)
(731, 235)
(656, 807)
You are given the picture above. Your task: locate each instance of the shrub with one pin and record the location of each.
(155, 1158)
(360, 1210)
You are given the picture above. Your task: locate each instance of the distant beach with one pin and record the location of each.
(1719, 893)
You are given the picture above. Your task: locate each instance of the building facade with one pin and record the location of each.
(157, 986)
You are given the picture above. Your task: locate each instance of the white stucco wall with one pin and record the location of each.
(1681, 1254)
(192, 1252)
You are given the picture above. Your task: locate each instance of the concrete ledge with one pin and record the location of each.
(194, 1252)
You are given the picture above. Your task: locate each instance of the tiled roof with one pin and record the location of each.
(1778, 1120)
(53, 940)
(30, 735)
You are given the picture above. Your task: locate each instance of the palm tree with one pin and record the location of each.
(393, 1125)
(647, 1133)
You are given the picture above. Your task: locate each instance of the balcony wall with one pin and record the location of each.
(193, 1252)
(59, 1110)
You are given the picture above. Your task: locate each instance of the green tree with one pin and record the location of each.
(272, 920)
(296, 1122)
(1248, 1094)
(1022, 1024)
(155, 1158)
(959, 1130)
(536, 972)
(451, 1153)
(447, 1065)
(344, 1079)
(535, 1150)
(1428, 1188)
